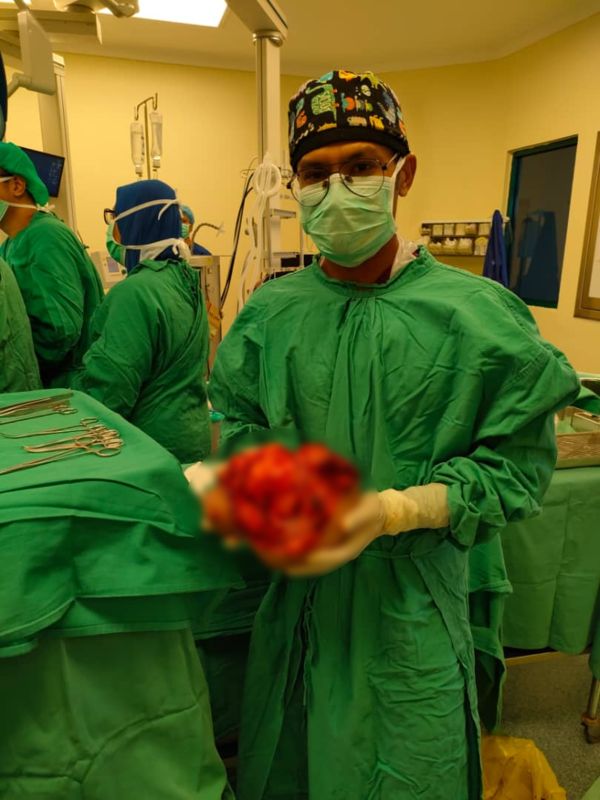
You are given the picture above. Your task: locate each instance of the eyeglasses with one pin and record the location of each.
(353, 173)
(109, 215)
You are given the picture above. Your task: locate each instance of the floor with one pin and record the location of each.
(543, 701)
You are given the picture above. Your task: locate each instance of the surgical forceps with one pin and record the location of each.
(45, 411)
(105, 449)
(30, 405)
(100, 434)
(85, 425)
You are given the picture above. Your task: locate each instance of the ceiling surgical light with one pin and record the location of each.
(207, 13)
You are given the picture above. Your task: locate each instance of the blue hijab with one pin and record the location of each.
(144, 226)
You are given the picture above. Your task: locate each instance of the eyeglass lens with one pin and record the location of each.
(363, 177)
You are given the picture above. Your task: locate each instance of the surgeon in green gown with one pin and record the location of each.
(59, 283)
(149, 343)
(18, 365)
(361, 676)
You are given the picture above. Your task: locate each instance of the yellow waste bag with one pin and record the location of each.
(514, 769)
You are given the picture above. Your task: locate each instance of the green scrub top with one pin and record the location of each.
(361, 683)
(18, 364)
(61, 289)
(148, 356)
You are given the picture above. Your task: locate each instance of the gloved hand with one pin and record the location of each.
(385, 513)
(203, 479)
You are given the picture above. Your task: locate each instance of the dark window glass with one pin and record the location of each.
(540, 197)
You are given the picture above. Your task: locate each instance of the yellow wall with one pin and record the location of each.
(452, 129)
(209, 138)
(463, 121)
(553, 94)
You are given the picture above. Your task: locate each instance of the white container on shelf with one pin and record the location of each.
(465, 247)
(450, 247)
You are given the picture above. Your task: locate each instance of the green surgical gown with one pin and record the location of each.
(104, 577)
(148, 356)
(61, 289)
(18, 365)
(360, 684)
(110, 717)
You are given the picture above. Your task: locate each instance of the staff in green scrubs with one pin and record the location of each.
(58, 281)
(361, 677)
(149, 350)
(18, 364)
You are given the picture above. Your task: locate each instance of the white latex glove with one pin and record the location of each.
(385, 513)
(201, 477)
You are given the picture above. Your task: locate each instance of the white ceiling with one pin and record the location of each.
(380, 35)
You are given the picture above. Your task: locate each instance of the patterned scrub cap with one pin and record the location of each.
(345, 107)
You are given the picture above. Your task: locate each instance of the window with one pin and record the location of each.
(538, 207)
(588, 295)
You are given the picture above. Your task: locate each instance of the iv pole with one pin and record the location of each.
(136, 115)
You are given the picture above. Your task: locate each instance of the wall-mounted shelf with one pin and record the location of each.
(453, 238)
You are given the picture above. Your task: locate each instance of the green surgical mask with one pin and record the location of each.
(115, 250)
(185, 230)
(346, 228)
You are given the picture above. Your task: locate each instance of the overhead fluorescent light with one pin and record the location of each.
(207, 13)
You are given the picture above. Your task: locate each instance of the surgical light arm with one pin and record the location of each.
(260, 16)
(36, 56)
(119, 8)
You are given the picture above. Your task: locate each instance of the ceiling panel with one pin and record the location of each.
(326, 34)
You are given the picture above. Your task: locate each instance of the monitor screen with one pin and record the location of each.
(114, 268)
(48, 167)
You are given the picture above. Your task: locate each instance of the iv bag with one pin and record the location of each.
(156, 121)
(137, 147)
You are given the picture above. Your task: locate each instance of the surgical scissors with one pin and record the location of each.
(111, 447)
(84, 425)
(61, 408)
(97, 435)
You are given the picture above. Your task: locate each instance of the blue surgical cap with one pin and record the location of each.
(189, 214)
(145, 226)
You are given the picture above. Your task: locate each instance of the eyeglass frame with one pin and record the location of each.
(339, 172)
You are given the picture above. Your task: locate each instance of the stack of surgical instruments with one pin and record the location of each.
(87, 437)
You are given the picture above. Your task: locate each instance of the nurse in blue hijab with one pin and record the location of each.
(150, 338)
(188, 221)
